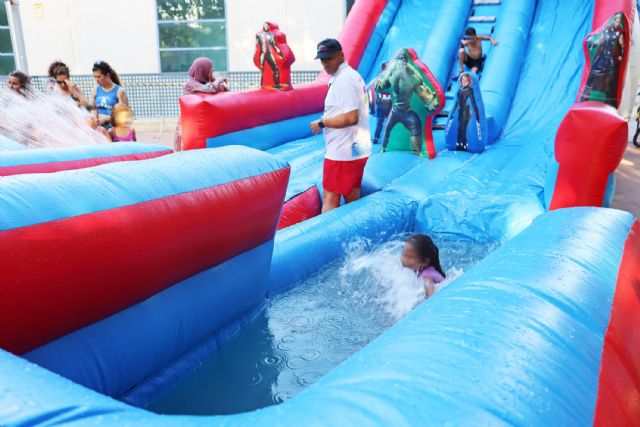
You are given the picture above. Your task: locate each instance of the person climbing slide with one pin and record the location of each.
(470, 54)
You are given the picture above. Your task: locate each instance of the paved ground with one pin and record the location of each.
(627, 196)
(156, 131)
(628, 174)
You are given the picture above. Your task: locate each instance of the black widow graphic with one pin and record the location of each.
(465, 94)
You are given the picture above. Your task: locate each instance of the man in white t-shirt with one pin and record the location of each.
(345, 126)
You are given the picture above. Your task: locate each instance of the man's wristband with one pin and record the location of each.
(321, 124)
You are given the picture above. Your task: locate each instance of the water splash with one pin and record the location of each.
(42, 120)
(382, 280)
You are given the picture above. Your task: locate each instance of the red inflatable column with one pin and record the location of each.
(592, 137)
(589, 146)
(618, 400)
(273, 57)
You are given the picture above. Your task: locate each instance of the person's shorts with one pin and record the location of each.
(473, 62)
(343, 176)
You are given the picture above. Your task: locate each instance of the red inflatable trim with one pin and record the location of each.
(589, 146)
(428, 129)
(618, 401)
(208, 116)
(300, 208)
(62, 275)
(603, 11)
(428, 137)
(67, 165)
(358, 27)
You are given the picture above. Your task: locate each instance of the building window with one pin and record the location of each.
(7, 62)
(189, 29)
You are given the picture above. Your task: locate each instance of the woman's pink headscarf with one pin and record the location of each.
(199, 73)
(200, 69)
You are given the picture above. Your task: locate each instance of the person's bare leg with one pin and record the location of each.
(355, 195)
(474, 70)
(462, 56)
(330, 200)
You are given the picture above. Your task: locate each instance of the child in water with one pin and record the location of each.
(422, 256)
(122, 121)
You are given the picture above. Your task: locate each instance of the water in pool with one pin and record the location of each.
(304, 332)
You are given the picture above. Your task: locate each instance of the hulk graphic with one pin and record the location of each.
(404, 80)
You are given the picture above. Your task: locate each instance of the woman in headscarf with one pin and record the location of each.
(201, 80)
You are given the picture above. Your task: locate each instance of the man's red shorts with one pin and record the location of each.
(343, 176)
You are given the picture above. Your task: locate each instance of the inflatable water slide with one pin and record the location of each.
(124, 271)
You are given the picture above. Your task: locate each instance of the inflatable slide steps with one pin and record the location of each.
(498, 193)
(483, 18)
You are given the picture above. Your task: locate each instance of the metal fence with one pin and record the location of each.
(155, 96)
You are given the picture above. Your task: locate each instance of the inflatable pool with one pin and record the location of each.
(120, 279)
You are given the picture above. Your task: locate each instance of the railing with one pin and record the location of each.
(155, 96)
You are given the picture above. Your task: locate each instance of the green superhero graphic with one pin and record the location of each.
(411, 91)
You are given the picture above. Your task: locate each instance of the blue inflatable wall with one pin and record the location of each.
(509, 334)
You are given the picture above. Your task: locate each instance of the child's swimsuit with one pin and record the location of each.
(128, 138)
(473, 62)
(432, 274)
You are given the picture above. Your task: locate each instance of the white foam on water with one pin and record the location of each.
(395, 289)
(42, 120)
